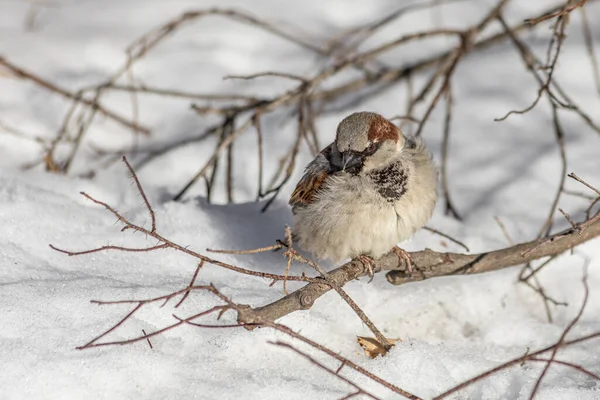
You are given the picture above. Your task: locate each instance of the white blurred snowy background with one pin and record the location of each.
(452, 328)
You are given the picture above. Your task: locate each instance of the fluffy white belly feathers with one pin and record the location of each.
(364, 193)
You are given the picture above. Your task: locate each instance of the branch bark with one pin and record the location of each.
(427, 264)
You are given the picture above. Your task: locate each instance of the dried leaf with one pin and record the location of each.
(372, 347)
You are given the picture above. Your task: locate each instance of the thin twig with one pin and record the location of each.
(24, 74)
(142, 193)
(578, 179)
(450, 208)
(166, 243)
(445, 235)
(430, 264)
(559, 13)
(192, 283)
(586, 292)
(327, 369)
(554, 348)
(567, 364)
(292, 254)
(589, 45)
(267, 74)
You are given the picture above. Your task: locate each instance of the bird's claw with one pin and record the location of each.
(369, 264)
(404, 258)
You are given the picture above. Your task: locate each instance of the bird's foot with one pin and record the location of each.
(370, 264)
(404, 258)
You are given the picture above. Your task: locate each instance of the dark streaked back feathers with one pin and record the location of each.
(317, 171)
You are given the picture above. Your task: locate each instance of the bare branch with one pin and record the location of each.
(559, 13)
(445, 235)
(429, 264)
(77, 97)
(166, 243)
(323, 367)
(267, 74)
(520, 360)
(586, 293)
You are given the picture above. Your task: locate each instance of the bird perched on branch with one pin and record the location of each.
(368, 190)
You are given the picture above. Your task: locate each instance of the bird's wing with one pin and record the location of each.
(317, 171)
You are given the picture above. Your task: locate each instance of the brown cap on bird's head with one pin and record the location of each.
(362, 136)
(359, 130)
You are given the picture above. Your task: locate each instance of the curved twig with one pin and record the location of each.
(429, 264)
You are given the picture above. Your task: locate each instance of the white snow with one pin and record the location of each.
(452, 328)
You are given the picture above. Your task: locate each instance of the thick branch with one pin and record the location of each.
(428, 264)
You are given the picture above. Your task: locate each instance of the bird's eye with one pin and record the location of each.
(372, 147)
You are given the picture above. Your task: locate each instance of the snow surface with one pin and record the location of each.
(452, 328)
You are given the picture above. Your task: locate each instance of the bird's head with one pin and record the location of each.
(364, 141)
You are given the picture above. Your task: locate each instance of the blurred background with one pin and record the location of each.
(218, 106)
(84, 82)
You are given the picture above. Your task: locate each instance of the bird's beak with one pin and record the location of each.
(350, 159)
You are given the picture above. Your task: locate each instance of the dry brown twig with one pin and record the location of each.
(427, 263)
(304, 98)
(431, 264)
(345, 363)
(533, 65)
(576, 227)
(164, 242)
(294, 255)
(589, 44)
(152, 232)
(543, 72)
(308, 91)
(450, 208)
(136, 51)
(359, 390)
(561, 343)
(568, 8)
(394, 75)
(76, 97)
(548, 87)
(536, 286)
(561, 340)
(445, 235)
(219, 311)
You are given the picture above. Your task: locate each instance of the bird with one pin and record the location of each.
(370, 189)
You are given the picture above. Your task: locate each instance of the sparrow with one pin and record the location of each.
(372, 188)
